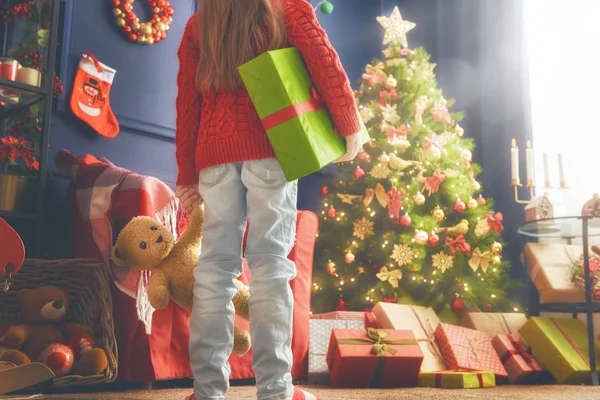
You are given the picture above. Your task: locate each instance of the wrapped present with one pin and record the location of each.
(366, 316)
(299, 127)
(549, 266)
(520, 365)
(468, 349)
(561, 346)
(493, 323)
(361, 358)
(320, 334)
(422, 321)
(457, 379)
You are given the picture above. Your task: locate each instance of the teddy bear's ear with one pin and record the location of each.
(118, 257)
(23, 296)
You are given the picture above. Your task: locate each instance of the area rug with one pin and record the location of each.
(248, 393)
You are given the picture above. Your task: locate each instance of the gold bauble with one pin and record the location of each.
(160, 26)
(419, 199)
(472, 204)
(117, 12)
(438, 214)
(170, 19)
(496, 248)
(135, 26)
(142, 39)
(120, 22)
(496, 259)
(150, 40)
(156, 10)
(167, 27)
(147, 30)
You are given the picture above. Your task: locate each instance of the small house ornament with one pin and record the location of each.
(539, 207)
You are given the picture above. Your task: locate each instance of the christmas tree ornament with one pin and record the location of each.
(59, 358)
(434, 239)
(364, 156)
(331, 213)
(481, 200)
(433, 153)
(395, 28)
(459, 131)
(459, 229)
(480, 259)
(363, 228)
(326, 7)
(380, 171)
(459, 206)
(438, 214)
(331, 270)
(496, 259)
(442, 261)
(392, 276)
(91, 91)
(466, 156)
(384, 158)
(472, 204)
(349, 258)
(359, 173)
(324, 190)
(458, 306)
(403, 254)
(391, 82)
(421, 237)
(476, 186)
(405, 220)
(419, 199)
(496, 248)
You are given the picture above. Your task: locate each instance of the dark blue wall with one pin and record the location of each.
(144, 89)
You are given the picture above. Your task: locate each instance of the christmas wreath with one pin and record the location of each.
(149, 32)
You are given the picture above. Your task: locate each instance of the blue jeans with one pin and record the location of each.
(258, 191)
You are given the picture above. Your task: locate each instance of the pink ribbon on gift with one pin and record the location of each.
(518, 350)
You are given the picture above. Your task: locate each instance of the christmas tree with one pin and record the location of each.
(406, 221)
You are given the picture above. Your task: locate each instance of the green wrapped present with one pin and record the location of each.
(298, 125)
(561, 345)
(457, 380)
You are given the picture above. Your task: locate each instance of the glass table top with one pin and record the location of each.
(563, 227)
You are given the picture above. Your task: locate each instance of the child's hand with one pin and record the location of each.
(189, 197)
(353, 147)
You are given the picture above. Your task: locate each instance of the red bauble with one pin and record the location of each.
(434, 239)
(364, 156)
(458, 306)
(59, 358)
(80, 343)
(331, 213)
(459, 206)
(405, 220)
(324, 190)
(481, 200)
(358, 173)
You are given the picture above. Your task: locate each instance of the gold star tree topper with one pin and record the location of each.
(395, 28)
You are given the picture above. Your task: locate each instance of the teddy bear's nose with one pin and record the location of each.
(57, 304)
(160, 239)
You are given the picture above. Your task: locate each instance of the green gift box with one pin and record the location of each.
(561, 345)
(457, 380)
(298, 125)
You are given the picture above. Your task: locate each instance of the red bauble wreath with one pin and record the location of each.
(149, 32)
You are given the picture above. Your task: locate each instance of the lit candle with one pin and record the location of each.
(546, 172)
(514, 162)
(561, 171)
(529, 161)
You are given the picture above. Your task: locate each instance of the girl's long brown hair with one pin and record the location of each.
(232, 32)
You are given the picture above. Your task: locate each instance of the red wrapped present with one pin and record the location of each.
(360, 358)
(468, 349)
(367, 316)
(518, 362)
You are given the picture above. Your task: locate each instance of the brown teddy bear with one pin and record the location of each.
(42, 311)
(145, 244)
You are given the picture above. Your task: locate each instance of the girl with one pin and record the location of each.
(225, 160)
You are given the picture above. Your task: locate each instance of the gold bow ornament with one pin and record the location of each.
(379, 193)
(480, 259)
(391, 276)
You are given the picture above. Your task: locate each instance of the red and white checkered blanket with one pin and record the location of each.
(107, 198)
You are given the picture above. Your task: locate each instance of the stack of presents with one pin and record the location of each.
(397, 345)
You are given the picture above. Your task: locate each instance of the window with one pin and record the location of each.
(564, 73)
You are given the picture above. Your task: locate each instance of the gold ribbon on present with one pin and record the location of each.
(378, 193)
(379, 347)
(480, 259)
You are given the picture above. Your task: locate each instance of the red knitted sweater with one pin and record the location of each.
(219, 128)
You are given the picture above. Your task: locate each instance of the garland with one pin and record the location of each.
(149, 32)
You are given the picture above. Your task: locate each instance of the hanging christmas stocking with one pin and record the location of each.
(89, 98)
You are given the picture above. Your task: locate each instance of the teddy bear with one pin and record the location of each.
(42, 312)
(145, 244)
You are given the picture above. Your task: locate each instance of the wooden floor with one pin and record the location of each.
(248, 393)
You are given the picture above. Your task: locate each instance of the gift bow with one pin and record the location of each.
(386, 95)
(480, 259)
(520, 350)
(495, 221)
(381, 345)
(432, 184)
(433, 141)
(391, 276)
(459, 243)
(379, 193)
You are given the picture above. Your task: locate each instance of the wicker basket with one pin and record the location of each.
(90, 303)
